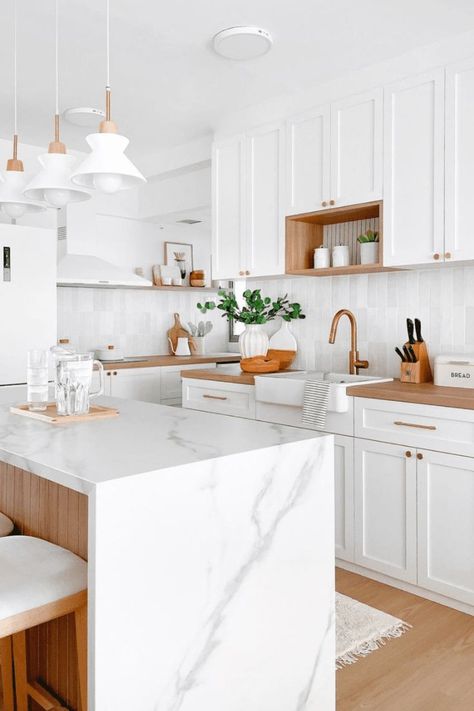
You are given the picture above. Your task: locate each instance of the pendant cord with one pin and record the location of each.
(108, 41)
(56, 57)
(15, 99)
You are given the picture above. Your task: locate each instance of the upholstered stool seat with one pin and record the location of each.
(39, 582)
(6, 525)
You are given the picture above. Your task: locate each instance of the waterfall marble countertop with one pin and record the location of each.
(143, 439)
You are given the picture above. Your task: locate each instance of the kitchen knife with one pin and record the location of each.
(418, 330)
(414, 359)
(407, 354)
(399, 353)
(410, 329)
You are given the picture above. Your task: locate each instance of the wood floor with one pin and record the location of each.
(429, 668)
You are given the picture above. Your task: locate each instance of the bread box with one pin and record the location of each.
(454, 370)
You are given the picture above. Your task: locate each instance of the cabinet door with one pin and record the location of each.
(414, 170)
(357, 148)
(228, 209)
(307, 161)
(344, 496)
(446, 525)
(459, 243)
(385, 509)
(264, 214)
(136, 384)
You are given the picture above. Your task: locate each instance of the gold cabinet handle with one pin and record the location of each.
(408, 454)
(419, 455)
(241, 273)
(332, 202)
(247, 273)
(215, 397)
(436, 256)
(447, 255)
(324, 203)
(109, 373)
(400, 423)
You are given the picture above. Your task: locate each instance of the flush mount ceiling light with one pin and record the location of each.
(83, 115)
(107, 168)
(12, 201)
(242, 43)
(53, 183)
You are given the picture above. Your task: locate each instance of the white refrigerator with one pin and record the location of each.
(28, 310)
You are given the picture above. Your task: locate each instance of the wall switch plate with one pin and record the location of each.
(7, 273)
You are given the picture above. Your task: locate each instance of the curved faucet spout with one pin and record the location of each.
(354, 362)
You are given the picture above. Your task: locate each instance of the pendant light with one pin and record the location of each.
(107, 168)
(12, 201)
(53, 183)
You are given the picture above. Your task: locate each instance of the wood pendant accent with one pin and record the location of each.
(41, 508)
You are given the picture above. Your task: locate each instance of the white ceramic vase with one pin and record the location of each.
(369, 253)
(253, 341)
(283, 339)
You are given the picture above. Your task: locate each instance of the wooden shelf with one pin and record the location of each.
(340, 271)
(142, 288)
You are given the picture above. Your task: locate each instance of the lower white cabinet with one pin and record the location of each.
(219, 397)
(385, 509)
(446, 524)
(344, 496)
(134, 384)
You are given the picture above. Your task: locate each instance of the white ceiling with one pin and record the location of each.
(168, 86)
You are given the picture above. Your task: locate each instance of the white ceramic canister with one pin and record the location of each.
(340, 256)
(321, 258)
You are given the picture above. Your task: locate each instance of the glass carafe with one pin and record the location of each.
(74, 381)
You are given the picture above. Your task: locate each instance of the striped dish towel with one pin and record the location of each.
(315, 403)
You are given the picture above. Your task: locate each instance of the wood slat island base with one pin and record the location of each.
(47, 510)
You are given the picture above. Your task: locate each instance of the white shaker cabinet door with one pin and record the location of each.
(357, 148)
(385, 508)
(344, 496)
(264, 206)
(414, 170)
(308, 161)
(459, 239)
(228, 228)
(446, 524)
(136, 384)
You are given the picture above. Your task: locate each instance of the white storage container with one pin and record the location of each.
(454, 370)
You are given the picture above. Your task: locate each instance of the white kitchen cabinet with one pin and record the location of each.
(134, 384)
(385, 509)
(308, 161)
(357, 148)
(219, 397)
(247, 197)
(459, 244)
(344, 496)
(171, 389)
(446, 524)
(414, 170)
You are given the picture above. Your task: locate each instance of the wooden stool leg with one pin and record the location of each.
(19, 663)
(80, 619)
(6, 671)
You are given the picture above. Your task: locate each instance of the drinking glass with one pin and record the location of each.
(37, 379)
(73, 383)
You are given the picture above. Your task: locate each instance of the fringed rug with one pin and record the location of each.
(361, 629)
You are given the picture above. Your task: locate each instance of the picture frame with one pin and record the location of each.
(185, 265)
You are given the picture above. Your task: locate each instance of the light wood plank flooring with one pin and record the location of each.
(429, 668)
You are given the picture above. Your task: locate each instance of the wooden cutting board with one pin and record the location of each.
(175, 332)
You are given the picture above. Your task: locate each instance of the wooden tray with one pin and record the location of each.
(96, 412)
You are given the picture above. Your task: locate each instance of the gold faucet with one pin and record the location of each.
(354, 362)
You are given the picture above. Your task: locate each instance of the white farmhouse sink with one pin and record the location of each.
(288, 388)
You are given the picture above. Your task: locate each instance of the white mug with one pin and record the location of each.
(182, 347)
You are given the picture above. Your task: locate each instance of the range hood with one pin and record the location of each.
(87, 270)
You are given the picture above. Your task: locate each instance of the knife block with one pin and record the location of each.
(419, 372)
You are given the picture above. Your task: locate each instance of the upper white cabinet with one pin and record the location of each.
(335, 154)
(248, 228)
(414, 170)
(308, 161)
(459, 242)
(357, 148)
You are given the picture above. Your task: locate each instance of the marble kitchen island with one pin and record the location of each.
(211, 554)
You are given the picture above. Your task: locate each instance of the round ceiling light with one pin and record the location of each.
(241, 43)
(83, 116)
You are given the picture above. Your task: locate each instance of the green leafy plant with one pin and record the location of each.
(368, 236)
(257, 309)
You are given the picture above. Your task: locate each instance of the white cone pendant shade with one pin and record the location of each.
(107, 168)
(12, 201)
(53, 183)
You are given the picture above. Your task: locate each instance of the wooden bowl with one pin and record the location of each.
(285, 358)
(259, 364)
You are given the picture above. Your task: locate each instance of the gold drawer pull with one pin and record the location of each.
(215, 397)
(410, 424)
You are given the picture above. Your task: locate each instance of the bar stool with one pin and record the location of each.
(6, 525)
(39, 582)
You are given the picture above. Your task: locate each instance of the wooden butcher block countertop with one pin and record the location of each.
(226, 374)
(422, 394)
(167, 360)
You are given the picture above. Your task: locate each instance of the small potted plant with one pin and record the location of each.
(255, 313)
(369, 247)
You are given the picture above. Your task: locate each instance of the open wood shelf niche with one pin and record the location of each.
(304, 233)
